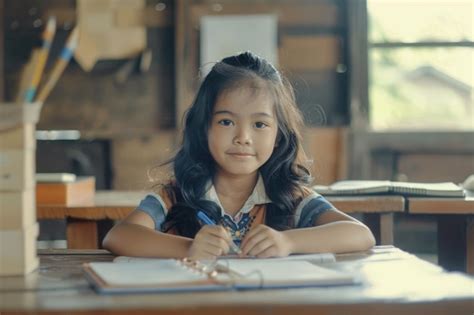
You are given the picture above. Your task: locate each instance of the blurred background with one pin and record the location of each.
(385, 86)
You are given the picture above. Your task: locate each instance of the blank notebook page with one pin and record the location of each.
(165, 271)
(283, 272)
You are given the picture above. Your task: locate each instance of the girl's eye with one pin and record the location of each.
(225, 122)
(260, 125)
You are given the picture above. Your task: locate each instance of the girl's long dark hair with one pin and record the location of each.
(283, 174)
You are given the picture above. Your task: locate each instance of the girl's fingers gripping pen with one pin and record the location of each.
(235, 248)
(204, 218)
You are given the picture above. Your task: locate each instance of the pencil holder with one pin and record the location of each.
(18, 226)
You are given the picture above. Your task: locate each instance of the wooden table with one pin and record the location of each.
(82, 232)
(393, 282)
(455, 220)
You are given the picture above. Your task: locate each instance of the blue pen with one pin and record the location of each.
(204, 218)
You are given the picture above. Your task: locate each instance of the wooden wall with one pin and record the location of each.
(420, 156)
(94, 102)
(312, 53)
(435, 167)
(141, 117)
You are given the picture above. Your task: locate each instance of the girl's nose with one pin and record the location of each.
(243, 137)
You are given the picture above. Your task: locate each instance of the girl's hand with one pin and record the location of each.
(263, 242)
(211, 241)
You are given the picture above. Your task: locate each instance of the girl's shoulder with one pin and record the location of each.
(168, 193)
(306, 193)
(307, 196)
(311, 207)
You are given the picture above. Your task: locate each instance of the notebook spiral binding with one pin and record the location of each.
(210, 270)
(411, 190)
(213, 269)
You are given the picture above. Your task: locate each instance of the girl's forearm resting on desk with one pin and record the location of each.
(128, 239)
(334, 237)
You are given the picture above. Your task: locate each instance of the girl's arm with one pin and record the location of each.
(333, 232)
(136, 236)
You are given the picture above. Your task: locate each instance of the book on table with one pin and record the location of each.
(168, 275)
(55, 177)
(64, 189)
(362, 187)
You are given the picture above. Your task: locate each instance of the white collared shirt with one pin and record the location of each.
(257, 197)
(306, 213)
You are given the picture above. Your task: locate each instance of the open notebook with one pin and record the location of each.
(168, 275)
(318, 258)
(360, 187)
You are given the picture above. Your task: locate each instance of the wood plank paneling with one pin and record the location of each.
(436, 167)
(147, 17)
(99, 107)
(183, 53)
(134, 158)
(314, 13)
(326, 147)
(309, 53)
(298, 23)
(383, 165)
(65, 13)
(319, 98)
(95, 103)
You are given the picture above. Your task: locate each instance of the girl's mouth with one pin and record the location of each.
(241, 154)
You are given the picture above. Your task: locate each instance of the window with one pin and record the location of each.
(421, 63)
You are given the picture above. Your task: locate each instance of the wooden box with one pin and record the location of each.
(22, 137)
(80, 192)
(18, 251)
(15, 115)
(17, 169)
(17, 209)
(17, 145)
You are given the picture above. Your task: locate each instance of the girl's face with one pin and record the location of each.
(243, 131)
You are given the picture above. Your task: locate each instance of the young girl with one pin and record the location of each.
(241, 163)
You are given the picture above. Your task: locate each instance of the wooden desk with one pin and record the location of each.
(393, 282)
(455, 220)
(115, 205)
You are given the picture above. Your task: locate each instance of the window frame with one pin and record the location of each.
(365, 144)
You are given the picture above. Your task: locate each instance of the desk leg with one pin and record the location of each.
(81, 234)
(453, 235)
(386, 229)
(470, 246)
(381, 224)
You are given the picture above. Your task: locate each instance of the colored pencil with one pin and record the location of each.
(26, 76)
(48, 35)
(60, 65)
